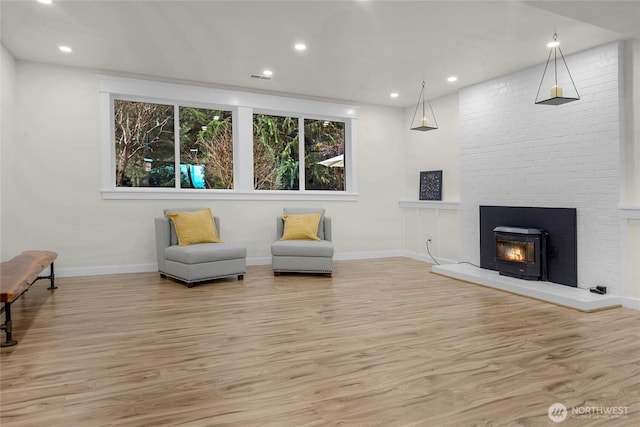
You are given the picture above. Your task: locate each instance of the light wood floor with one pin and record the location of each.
(382, 343)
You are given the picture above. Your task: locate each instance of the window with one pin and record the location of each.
(171, 141)
(206, 148)
(324, 155)
(275, 152)
(144, 142)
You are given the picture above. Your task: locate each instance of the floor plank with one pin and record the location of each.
(381, 343)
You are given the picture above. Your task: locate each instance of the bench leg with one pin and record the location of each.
(8, 326)
(52, 278)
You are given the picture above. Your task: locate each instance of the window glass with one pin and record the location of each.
(172, 140)
(206, 148)
(275, 152)
(324, 155)
(144, 144)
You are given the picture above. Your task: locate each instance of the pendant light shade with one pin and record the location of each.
(556, 81)
(427, 121)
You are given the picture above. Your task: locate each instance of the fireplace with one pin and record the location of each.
(561, 239)
(521, 252)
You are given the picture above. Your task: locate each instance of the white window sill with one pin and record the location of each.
(171, 194)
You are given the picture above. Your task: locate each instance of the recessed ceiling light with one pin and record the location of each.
(394, 95)
(267, 73)
(45, 1)
(300, 46)
(452, 79)
(65, 49)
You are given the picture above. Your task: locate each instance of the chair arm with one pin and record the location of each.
(216, 220)
(279, 227)
(163, 236)
(327, 228)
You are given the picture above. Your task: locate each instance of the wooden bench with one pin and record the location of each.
(16, 277)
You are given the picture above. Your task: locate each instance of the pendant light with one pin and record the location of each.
(425, 123)
(556, 91)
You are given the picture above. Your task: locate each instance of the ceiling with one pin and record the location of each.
(357, 51)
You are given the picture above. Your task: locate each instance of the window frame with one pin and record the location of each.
(242, 105)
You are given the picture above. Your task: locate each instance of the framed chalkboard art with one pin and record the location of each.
(431, 185)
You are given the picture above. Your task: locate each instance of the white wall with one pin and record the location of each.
(630, 226)
(433, 150)
(51, 186)
(631, 104)
(633, 238)
(7, 115)
(516, 153)
(424, 151)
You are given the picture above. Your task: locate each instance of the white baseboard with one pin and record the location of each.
(148, 268)
(348, 256)
(629, 302)
(427, 258)
(344, 256)
(259, 261)
(107, 269)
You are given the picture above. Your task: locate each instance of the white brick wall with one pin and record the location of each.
(516, 153)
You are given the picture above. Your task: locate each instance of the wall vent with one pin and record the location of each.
(260, 77)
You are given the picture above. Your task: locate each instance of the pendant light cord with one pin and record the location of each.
(418, 103)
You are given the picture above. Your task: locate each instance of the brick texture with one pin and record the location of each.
(516, 153)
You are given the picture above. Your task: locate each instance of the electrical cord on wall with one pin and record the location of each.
(437, 263)
(429, 252)
(470, 263)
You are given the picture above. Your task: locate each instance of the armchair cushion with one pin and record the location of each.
(205, 252)
(302, 248)
(194, 226)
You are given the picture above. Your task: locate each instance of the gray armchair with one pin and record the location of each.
(197, 262)
(303, 256)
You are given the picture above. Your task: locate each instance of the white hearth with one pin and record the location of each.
(576, 298)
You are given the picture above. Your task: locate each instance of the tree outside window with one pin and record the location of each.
(275, 152)
(144, 142)
(145, 146)
(324, 155)
(151, 151)
(206, 148)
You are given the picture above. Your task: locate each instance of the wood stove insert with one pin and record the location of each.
(521, 252)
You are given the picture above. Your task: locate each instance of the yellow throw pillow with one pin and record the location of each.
(301, 227)
(194, 227)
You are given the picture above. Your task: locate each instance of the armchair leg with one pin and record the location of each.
(240, 276)
(276, 273)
